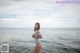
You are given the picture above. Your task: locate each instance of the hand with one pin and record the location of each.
(34, 36)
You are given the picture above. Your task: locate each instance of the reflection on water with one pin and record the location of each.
(61, 40)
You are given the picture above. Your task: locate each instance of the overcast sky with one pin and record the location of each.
(24, 13)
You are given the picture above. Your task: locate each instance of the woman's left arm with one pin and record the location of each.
(40, 36)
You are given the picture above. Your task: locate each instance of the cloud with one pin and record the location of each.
(24, 13)
(9, 20)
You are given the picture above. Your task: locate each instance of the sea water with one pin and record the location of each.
(55, 40)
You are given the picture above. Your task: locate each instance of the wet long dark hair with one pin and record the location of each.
(38, 28)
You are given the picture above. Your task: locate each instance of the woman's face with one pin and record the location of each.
(36, 26)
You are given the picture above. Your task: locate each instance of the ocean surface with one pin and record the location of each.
(55, 40)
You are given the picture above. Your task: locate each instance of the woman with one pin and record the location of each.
(37, 36)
